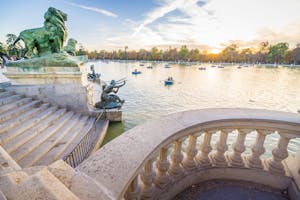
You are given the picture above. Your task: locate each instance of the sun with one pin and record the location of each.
(215, 51)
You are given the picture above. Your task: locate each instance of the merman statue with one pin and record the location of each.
(108, 98)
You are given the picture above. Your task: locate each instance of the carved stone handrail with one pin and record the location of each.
(137, 165)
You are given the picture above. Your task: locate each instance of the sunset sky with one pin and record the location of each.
(211, 24)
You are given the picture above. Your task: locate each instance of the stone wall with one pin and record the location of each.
(72, 96)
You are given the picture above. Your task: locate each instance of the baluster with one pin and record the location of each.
(218, 157)
(176, 158)
(188, 162)
(235, 158)
(147, 177)
(257, 149)
(205, 148)
(133, 192)
(274, 164)
(162, 165)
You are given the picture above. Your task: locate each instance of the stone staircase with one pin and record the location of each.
(34, 132)
(57, 181)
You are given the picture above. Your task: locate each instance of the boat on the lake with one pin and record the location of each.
(213, 66)
(169, 81)
(239, 67)
(135, 72)
(202, 68)
(141, 64)
(220, 66)
(167, 66)
(150, 67)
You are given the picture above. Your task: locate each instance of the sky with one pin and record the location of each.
(206, 24)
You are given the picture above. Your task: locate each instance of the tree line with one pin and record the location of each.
(265, 53)
(279, 53)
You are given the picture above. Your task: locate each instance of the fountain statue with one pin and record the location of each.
(108, 99)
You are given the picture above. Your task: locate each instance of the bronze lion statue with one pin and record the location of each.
(47, 39)
(70, 48)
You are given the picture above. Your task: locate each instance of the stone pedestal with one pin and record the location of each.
(58, 78)
(113, 115)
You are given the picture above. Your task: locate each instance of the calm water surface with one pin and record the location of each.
(147, 97)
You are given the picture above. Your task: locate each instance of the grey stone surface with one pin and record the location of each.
(71, 96)
(231, 190)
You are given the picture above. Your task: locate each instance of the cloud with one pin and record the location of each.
(213, 23)
(94, 9)
(167, 7)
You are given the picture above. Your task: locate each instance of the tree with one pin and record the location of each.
(230, 53)
(295, 55)
(170, 54)
(277, 52)
(125, 52)
(102, 54)
(155, 54)
(120, 54)
(142, 54)
(245, 55)
(194, 55)
(261, 55)
(81, 51)
(3, 49)
(183, 53)
(13, 50)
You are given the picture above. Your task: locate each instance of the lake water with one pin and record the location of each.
(147, 97)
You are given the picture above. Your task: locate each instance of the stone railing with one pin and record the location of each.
(162, 157)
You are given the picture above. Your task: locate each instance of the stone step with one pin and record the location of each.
(18, 111)
(6, 161)
(6, 94)
(26, 136)
(83, 186)
(50, 155)
(14, 104)
(2, 196)
(15, 126)
(44, 142)
(41, 185)
(9, 181)
(71, 144)
(56, 152)
(9, 99)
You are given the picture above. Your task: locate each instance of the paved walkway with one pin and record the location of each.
(231, 190)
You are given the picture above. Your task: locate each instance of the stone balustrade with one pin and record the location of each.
(162, 157)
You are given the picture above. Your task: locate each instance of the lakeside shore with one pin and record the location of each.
(197, 63)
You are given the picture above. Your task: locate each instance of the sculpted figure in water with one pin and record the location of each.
(109, 99)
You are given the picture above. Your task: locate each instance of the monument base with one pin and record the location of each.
(71, 96)
(58, 68)
(113, 115)
(58, 79)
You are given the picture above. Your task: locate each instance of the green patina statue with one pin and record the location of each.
(108, 98)
(47, 39)
(71, 47)
(44, 46)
